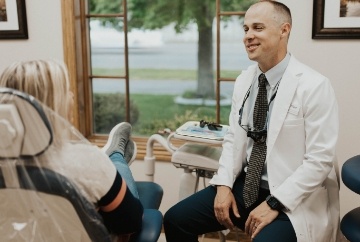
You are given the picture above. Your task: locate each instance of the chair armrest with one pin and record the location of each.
(151, 227)
(150, 194)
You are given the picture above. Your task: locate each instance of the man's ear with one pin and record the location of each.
(285, 30)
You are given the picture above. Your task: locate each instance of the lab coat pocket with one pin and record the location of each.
(290, 142)
(294, 115)
(293, 122)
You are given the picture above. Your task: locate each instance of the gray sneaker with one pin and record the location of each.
(130, 152)
(118, 139)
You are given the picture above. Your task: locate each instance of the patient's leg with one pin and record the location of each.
(121, 149)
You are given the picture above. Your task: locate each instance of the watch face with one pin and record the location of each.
(273, 202)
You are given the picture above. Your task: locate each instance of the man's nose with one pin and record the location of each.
(249, 35)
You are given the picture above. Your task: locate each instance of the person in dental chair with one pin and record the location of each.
(101, 175)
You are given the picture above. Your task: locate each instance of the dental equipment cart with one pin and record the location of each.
(200, 153)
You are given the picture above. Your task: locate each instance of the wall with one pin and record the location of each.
(337, 59)
(45, 35)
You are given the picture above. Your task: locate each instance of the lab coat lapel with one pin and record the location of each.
(284, 96)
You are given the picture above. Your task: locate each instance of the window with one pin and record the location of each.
(158, 70)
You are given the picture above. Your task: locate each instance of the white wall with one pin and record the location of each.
(45, 35)
(337, 59)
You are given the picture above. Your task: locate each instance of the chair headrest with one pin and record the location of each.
(25, 130)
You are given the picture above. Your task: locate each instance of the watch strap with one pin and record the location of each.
(274, 203)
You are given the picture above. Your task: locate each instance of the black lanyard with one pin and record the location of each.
(248, 94)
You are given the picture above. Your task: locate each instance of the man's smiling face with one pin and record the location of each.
(263, 36)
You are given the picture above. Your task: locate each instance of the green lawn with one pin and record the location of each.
(151, 113)
(160, 111)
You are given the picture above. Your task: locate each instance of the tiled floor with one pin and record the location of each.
(203, 239)
(162, 239)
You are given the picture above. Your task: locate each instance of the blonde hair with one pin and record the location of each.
(48, 82)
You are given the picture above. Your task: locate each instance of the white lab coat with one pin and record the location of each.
(302, 136)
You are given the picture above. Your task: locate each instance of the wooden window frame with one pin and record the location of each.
(75, 54)
(220, 79)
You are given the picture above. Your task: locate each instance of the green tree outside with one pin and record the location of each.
(151, 15)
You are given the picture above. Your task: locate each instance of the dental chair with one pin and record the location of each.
(150, 195)
(39, 204)
(350, 223)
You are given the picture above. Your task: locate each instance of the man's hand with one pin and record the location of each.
(258, 218)
(225, 200)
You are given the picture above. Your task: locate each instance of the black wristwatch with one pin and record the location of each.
(274, 203)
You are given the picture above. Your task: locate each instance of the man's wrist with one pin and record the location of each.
(222, 187)
(274, 203)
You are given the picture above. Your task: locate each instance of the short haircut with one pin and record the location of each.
(282, 10)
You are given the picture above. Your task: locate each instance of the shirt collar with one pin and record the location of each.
(274, 74)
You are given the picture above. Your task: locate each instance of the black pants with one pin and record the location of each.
(194, 216)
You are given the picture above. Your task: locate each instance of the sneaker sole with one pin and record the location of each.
(111, 136)
(134, 154)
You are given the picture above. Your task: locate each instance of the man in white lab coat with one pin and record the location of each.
(298, 194)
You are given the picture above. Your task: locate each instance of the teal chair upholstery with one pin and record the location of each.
(350, 223)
